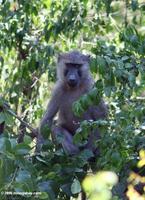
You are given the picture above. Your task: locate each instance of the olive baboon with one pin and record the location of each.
(74, 80)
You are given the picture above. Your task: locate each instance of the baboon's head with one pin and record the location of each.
(73, 68)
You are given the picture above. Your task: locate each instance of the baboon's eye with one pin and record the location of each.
(78, 65)
(65, 72)
(79, 73)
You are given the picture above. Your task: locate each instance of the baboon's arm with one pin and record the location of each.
(52, 109)
(97, 112)
(100, 111)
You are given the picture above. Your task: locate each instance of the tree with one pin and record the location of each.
(32, 34)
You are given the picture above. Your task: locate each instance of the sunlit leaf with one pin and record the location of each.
(75, 187)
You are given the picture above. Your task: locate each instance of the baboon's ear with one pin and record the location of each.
(88, 58)
(59, 57)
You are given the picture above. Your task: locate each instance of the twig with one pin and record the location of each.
(13, 178)
(34, 131)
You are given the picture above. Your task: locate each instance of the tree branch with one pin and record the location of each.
(34, 132)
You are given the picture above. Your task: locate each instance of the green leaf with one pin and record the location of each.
(27, 139)
(75, 187)
(44, 195)
(107, 91)
(102, 65)
(10, 156)
(1, 61)
(46, 186)
(22, 149)
(134, 4)
(66, 188)
(132, 80)
(77, 138)
(23, 175)
(5, 145)
(124, 58)
(93, 65)
(45, 131)
(2, 117)
(9, 119)
(128, 65)
(40, 159)
(86, 154)
(115, 157)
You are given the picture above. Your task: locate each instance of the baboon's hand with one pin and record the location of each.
(63, 137)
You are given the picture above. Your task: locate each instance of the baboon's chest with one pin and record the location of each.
(67, 104)
(66, 115)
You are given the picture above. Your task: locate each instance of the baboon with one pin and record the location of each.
(73, 80)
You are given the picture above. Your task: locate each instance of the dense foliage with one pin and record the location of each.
(32, 34)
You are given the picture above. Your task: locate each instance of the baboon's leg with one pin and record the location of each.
(61, 135)
(93, 138)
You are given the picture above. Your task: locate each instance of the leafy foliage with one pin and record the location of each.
(98, 186)
(32, 34)
(137, 180)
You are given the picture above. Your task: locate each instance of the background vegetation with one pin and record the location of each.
(32, 33)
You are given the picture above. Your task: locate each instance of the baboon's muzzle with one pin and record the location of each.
(72, 82)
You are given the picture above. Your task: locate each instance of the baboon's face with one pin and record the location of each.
(72, 74)
(73, 68)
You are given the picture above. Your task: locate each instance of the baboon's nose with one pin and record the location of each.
(72, 82)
